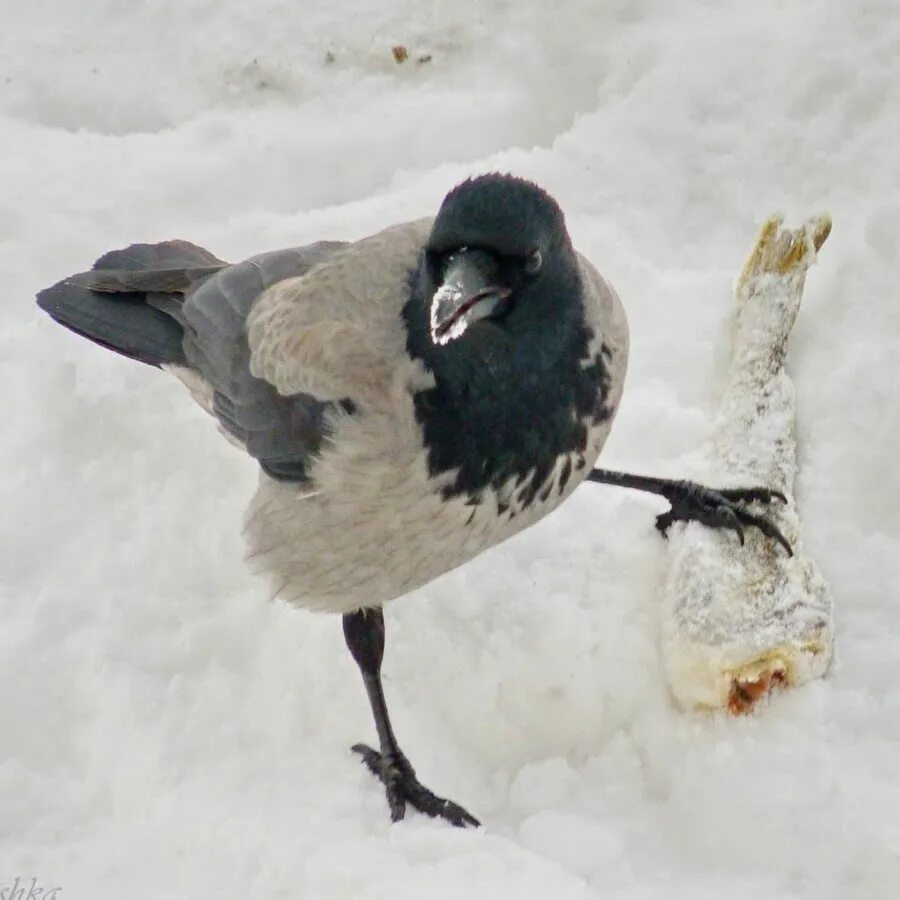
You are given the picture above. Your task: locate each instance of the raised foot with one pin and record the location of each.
(402, 787)
(693, 502)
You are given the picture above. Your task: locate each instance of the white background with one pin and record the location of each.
(165, 731)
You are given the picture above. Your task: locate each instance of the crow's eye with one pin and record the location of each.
(533, 262)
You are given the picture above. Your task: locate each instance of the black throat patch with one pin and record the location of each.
(508, 403)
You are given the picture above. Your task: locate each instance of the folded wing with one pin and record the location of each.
(176, 306)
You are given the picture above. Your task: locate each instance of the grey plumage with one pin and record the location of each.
(281, 432)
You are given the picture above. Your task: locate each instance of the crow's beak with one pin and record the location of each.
(470, 291)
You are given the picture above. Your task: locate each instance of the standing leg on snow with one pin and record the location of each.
(364, 633)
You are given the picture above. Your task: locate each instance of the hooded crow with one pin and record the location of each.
(412, 399)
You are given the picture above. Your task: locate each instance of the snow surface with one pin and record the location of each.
(168, 733)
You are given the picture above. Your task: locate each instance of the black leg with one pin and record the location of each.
(694, 502)
(364, 633)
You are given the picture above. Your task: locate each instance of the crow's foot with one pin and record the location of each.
(720, 509)
(402, 787)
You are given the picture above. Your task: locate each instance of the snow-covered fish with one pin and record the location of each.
(738, 623)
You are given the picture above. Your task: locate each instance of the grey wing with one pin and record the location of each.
(282, 432)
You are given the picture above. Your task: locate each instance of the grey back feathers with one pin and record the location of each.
(337, 332)
(281, 432)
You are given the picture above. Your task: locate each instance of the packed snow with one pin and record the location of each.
(167, 732)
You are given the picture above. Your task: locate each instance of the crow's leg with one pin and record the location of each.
(364, 633)
(691, 502)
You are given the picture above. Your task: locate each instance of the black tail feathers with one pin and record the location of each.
(130, 301)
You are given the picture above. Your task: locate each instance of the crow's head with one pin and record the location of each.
(498, 261)
(496, 313)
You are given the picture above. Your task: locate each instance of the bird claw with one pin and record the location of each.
(752, 495)
(402, 787)
(693, 502)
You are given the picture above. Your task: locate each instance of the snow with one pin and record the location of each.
(166, 732)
